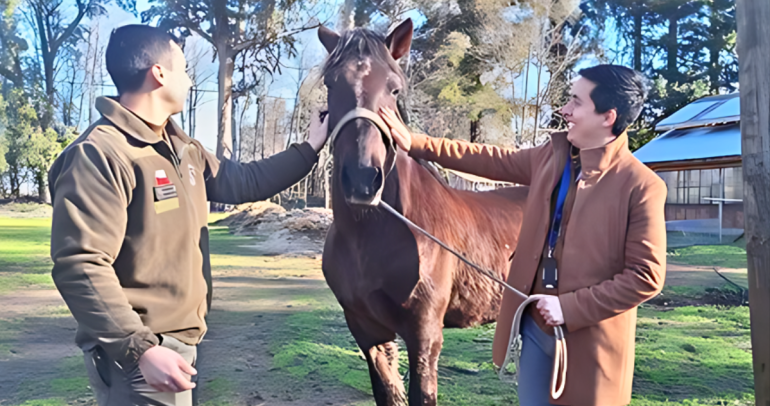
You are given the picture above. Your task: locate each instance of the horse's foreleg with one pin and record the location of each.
(424, 347)
(381, 354)
(383, 371)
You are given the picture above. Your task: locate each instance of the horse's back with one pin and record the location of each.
(513, 196)
(516, 194)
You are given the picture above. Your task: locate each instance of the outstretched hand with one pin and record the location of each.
(319, 130)
(401, 135)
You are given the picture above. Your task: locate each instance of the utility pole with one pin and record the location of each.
(754, 51)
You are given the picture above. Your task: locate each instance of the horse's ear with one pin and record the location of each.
(400, 40)
(328, 38)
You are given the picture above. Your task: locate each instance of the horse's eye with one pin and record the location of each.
(395, 92)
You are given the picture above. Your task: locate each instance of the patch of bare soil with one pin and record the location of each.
(710, 297)
(689, 285)
(36, 344)
(246, 313)
(298, 232)
(24, 208)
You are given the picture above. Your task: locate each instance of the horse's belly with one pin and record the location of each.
(475, 300)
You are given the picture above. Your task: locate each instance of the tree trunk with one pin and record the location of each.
(526, 90)
(264, 127)
(42, 187)
(673, 49)
(225, 102)
(46, 118)
(68, 110)
(48, 61)
(256, 130)
(637, 37)
(234, 131)
(475, 130)
(14, 182)
(715, 68)
(345, 21)
(754, 49)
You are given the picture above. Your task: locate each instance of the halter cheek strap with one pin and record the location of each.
(375, 119)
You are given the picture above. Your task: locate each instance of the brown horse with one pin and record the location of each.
(388, 280)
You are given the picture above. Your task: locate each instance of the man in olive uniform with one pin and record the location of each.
(130, 241)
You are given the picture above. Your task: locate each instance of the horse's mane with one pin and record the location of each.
(360, 43)
(433, 171)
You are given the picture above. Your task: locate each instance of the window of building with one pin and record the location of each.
(692, 186)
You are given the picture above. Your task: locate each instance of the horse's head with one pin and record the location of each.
(361, 73)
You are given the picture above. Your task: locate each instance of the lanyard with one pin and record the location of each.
(561, 197)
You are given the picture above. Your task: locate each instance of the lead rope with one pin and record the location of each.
(513, 352)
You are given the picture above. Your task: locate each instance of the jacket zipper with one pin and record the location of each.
(176, 162)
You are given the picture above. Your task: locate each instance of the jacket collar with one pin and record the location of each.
(111, 109)
(596, 160)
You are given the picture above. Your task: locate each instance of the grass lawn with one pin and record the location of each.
(24, 253)
(723, 256)
(685, 356)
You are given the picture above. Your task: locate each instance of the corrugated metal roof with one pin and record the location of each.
(693, 143)
(706, 111)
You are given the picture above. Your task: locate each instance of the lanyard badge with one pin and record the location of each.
(550, 268)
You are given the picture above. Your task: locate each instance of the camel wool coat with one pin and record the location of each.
(611, 256)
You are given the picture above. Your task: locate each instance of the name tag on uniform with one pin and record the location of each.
(166, 196)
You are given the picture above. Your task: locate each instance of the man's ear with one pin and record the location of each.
(610, 117)
(156, 76)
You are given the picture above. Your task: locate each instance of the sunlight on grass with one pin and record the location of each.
(24, 254)
(724, 256)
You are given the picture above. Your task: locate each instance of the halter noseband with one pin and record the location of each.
(374, 118)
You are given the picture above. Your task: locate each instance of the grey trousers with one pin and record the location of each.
(114, 386)
(537, 352)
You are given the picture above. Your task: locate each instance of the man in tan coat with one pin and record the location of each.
(129, 239)
(593, 238)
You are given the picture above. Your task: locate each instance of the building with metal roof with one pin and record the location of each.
(698, 155)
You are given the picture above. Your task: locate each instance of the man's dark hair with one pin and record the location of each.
(619, 88)
(133, 50)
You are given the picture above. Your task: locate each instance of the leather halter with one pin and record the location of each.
(374, 118)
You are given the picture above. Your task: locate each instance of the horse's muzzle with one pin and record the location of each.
(363, 186)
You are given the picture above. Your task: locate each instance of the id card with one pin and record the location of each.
(550, 273)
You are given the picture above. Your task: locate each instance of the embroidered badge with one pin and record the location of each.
(192, 174)
(164, 189)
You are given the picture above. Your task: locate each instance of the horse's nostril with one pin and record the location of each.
(362, 182)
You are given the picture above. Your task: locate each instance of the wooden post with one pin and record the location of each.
(754, 51)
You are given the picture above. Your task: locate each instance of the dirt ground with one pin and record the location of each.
(279, 231)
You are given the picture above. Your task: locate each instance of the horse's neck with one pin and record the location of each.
(415, 185)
